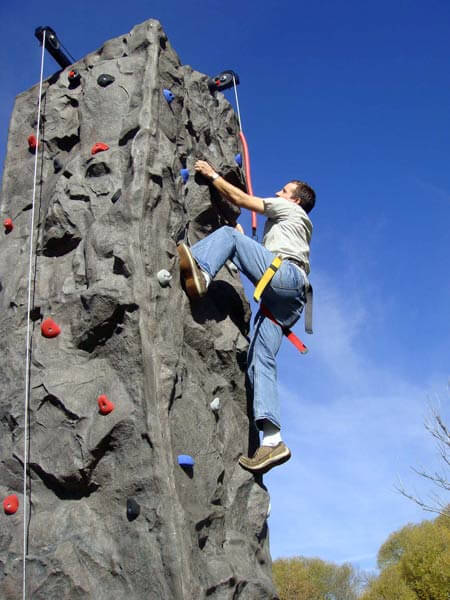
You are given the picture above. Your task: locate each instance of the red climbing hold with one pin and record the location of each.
(105, 405)
(49, 328)
(99, 147)
(8, 225)
(11, 504)
(32, 143)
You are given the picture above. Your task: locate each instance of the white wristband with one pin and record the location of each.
(215, 176)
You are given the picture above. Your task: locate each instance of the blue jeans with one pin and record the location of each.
(284, 297)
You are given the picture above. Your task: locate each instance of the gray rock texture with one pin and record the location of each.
(112, 514)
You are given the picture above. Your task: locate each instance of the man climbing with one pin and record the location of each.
(287, 234)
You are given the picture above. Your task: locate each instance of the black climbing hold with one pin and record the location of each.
(53, 45)
(168, 95)
(223, 81)
(133, 509)
(74, 78)
(116, 196)
(105, 79)
(57, 165)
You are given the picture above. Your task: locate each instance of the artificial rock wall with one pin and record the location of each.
(112, 513)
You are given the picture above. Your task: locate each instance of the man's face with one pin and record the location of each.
(287, 192)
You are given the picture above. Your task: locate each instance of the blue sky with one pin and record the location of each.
(353, 97)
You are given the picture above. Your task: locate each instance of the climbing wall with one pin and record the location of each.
(138, 409)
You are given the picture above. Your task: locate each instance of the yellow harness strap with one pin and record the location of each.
(266, 278)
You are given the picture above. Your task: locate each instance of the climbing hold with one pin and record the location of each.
(223, 81)
(105, 79)
(215, 404)
(57, 165)
(164, 277)
(184, 460)
(49, 328)
(105, 405)
(184, 174)
(238, 159)
(32, 143)
(116, 196)
(133, 509)
(99, 147)
(11, 504)
(74, 77)
(168, 95)
(8, 225)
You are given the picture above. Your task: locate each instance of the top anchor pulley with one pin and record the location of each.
(53, 45)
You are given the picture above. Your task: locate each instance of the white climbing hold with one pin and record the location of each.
(269, 509)
(215, 404)
(164, 277)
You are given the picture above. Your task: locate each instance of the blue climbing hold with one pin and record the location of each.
(238, 159)
(184, 174)
(168, 95)
(184, 460)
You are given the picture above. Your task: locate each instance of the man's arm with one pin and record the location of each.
(228, 190)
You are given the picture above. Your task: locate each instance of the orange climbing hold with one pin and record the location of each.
(8, 225)
(32, 143)
(99, 147)
(49, 328)
(11, 504)
(105, 405)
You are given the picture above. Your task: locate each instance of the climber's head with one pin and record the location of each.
(300, 193)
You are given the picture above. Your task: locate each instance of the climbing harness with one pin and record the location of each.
(267, 277)
(49, 40)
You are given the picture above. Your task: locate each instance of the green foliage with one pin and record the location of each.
(314, 579)
(414, 563)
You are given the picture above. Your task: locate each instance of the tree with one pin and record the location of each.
(302, 578)
(438, 429)
(414, 563)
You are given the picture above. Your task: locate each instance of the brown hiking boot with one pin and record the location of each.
(193, 279)
(265, 458)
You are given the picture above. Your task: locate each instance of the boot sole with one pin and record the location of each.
(190, 273)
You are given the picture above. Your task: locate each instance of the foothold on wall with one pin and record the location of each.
(164, 277)
(184, 175)
(168, 95)
(49, 328)
(105, 405)
(99, 147)
(32, 143)
(215, 404)
(184, 460)
(57, 165)
(133, 509)
(238, 159)
(74, 77)
(8, 225)
(116, 196)
(11, 504)
(105, 79)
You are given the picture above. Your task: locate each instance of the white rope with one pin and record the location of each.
(28, 350)
(237, 103)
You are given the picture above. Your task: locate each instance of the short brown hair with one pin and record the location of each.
(305, 194)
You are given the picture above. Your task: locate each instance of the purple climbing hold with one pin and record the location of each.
(184, 175)
(168, 95)
(238, 159)
(184, 460)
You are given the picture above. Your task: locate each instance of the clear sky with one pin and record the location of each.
(354, 98)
